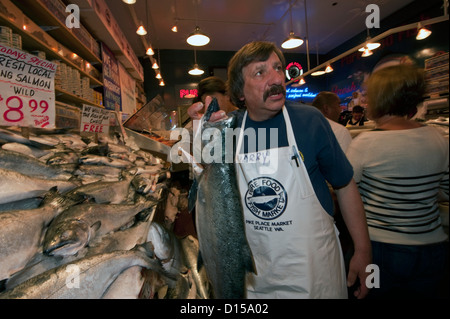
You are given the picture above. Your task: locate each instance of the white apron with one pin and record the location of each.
(293, 239)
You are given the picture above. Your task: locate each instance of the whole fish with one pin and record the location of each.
(15, 186)
(120, 240)
(166, 248)
(73, 229)
(125, 239)
(127, 285)
(26, 149)
(22, 232)
(220, 223)
(34, 141)
(106, 192)
(191, 250)
(30, 166)
(86, 278)
(105, 160)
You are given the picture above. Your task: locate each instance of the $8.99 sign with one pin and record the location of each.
(27, 89)
(23, 111)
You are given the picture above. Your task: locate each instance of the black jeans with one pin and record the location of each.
(410, 271)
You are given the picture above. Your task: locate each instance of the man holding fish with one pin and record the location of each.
(298, 254)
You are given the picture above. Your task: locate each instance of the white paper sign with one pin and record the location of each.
(27, 89)
(94, 119)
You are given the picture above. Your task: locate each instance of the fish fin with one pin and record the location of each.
(192, 196)
(96, 226)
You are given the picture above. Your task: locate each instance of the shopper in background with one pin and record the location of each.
(357, 118)
(401, 175)
(305, 259)
(329, 104)
(213, 86)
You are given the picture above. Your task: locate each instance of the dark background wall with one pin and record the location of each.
(349, 72)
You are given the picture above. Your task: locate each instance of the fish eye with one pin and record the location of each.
(66, 234)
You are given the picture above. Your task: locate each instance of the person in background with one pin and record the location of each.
(402, 175)
(357, 118)
(329, 104)
(214, 86)
(305, 259)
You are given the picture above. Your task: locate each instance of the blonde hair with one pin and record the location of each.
(395, 90)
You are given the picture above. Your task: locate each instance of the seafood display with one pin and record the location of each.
(78, 219)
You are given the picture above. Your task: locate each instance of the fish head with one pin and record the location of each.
(67, 238)
(161, 241)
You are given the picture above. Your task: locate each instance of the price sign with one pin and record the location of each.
(27, 91)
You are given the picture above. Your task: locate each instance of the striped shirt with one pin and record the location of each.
(401, 175)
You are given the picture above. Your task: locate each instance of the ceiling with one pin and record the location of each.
(232, 23)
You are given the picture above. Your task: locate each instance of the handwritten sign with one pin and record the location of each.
(27, 89)
(94, 119)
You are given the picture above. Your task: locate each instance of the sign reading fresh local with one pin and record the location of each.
(94, 119)
(27, 89)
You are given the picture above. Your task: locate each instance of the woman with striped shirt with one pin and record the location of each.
(402, 171)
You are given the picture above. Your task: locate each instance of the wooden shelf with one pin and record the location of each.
(68, 97)
(44, 17)
(36, 39)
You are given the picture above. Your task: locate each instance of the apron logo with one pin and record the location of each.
(266, 198)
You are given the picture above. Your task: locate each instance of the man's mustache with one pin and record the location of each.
(273, 90)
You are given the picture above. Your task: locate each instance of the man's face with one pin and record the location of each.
(334, 110)
(264, 88)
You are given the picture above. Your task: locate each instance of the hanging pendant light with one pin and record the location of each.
(367, 52)
(129, 1)
(141, 30)
(292, 41)
(150, 51)
(369, 44)
(197, 38)
(328, 69)
(422, 32)
(161, 83)
(155, 66)
(158, 76)
(174, 28)
(317, 73)
(196, 70)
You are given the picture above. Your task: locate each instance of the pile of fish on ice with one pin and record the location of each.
(76, 221)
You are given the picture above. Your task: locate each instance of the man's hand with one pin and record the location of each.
(196, 111)
(358, 265)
